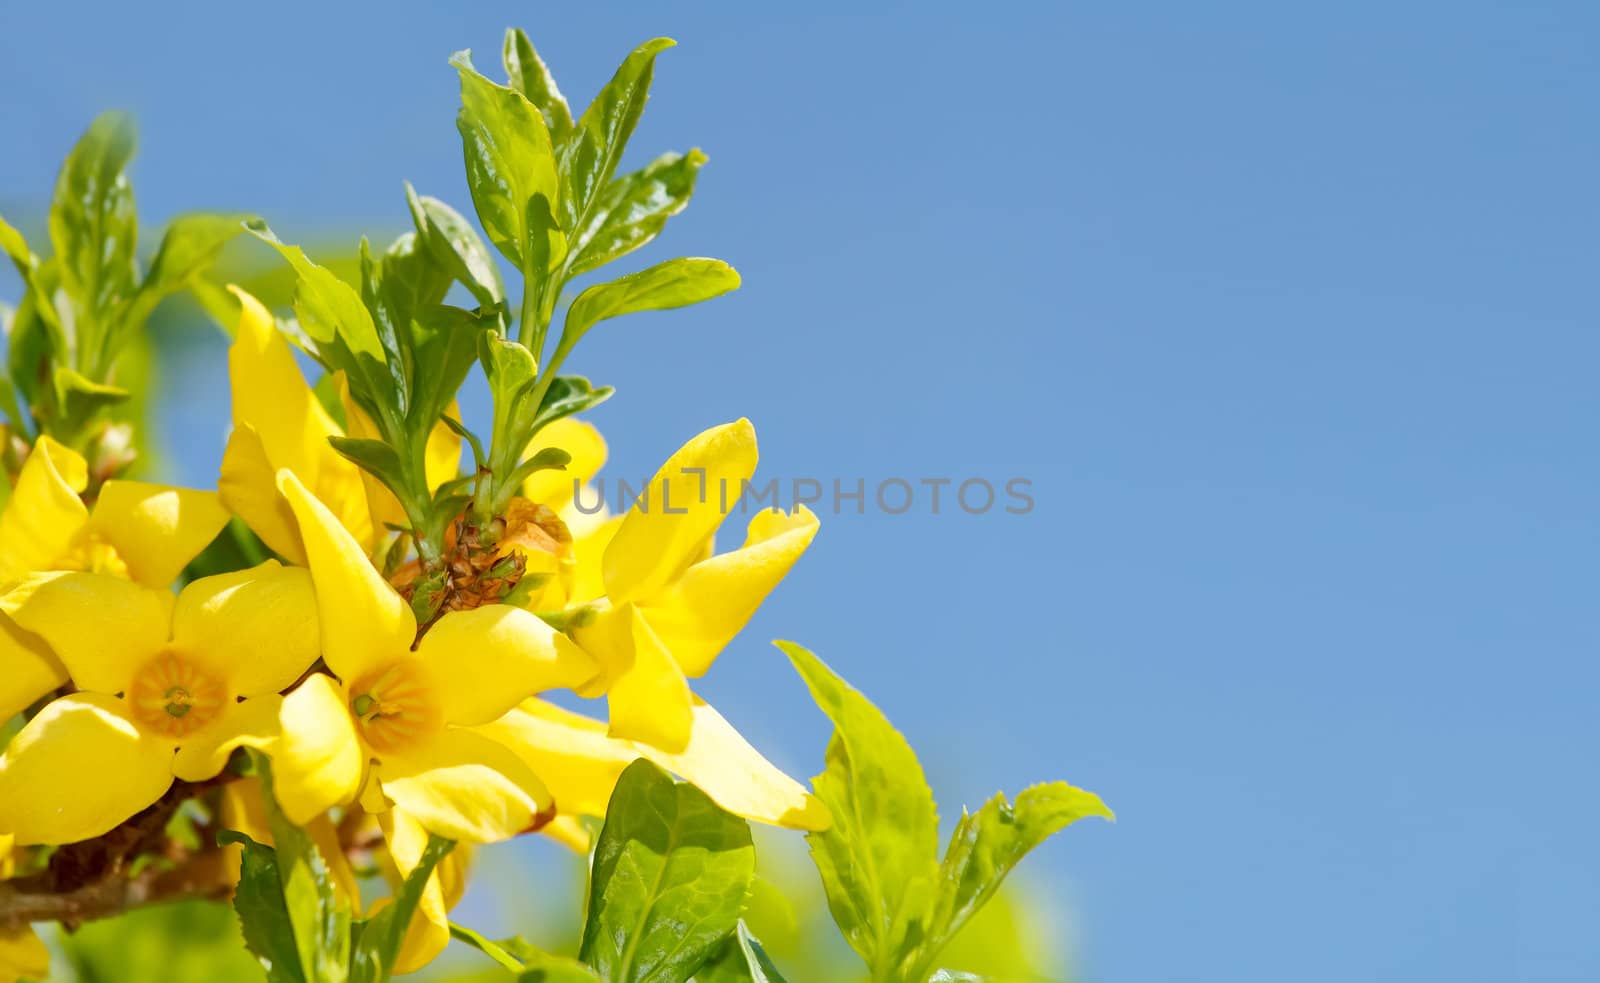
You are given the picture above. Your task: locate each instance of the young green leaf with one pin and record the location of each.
(674, 283)
(589, 158)
(568, 394)
(92, 222)
(382, 935)
(263, 918)
(989, 843)
(453, 243)
(878, 859)
(375, 457)
(671, 871)
(511, 170)
(740, 960)
(319, 916)
(528, 75)
(634, 209)
(531, 963)
(330, 310)
(37, 301)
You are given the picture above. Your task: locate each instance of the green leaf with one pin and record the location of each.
(740, 960)
(80, 398)
(511, 170)
(330, 310)
(190, 245)
(878, 859)
(635, 208)
(989, 843)
(383, 934)
(376, 458)
(529, 76)
(321, 919)
(453, 243)
(589, 158)
(262, 915)
(92, 222)
(531, 963)
(568, 394)
(675, 283)
(671, 871)
(37, 302)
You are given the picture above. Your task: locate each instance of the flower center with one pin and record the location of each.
(172, 696)
(395, 705)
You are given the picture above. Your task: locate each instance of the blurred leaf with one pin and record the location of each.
(878, 859)
(190, 245)
(589, 158)
(671, 871)
(635, 208)
(740, 960)
(188, 942)
(528, 75)
(321, 919)
(37, 311)
(92, 222)
(511, 170)
(531, 963)
(262, 915)
(381, 936)
(81, 398)
(674, 283)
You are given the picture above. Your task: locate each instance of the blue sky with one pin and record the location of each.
(1287, 314)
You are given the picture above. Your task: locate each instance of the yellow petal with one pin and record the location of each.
(22, 955)
(569, 752)
(28, 669)
(385, 507)
(364, 621)
(588, 552)
(724, 766)
(429, 932)
(570, 831)
(102, 628)
(248, 486)
(679, 511)
(257, 629)
(271, 396)
(317, 763)
(489, 659)
(156, 530)
(581, 765)
(251, 723)
(464, 786)
(77, 770)
(588, 450)
(44, 514)
(715, 598)
(646, 691)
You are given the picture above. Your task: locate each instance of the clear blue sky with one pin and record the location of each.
(1289, 316)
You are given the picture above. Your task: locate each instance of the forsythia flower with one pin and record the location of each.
(671, 606)
(278, 423)
(394, 728)
(574, 568)
(168, 687)
(142, 531)
(22, 954)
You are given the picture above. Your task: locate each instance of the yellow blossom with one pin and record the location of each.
(278, 423)
(22, 955)
(393, 724)
(142, 531)
(166, 687)
(671, 606)
(580, 764)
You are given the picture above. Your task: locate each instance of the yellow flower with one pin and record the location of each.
(167, 687)
(138, 530)
(394, 727)
(278, 422)
(580, 764)
(573, 567)
(22, 956)
(672, 606)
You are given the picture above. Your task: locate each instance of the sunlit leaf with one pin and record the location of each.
(674, 283)
(635, 208)
(263, 916)
(589, 158)
(528, 75)
(671, 871)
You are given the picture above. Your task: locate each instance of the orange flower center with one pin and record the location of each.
(172, 696)
(395, 705)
